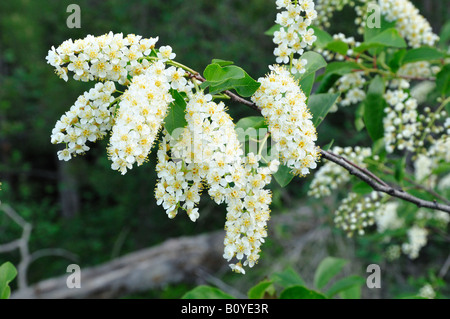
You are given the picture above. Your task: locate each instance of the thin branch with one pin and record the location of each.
(362, 173)
(381, 187)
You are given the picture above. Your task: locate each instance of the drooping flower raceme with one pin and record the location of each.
(88, 120)
(142, 109)
(283, 104)
(207, 152)
(294, 35)
(107, 57)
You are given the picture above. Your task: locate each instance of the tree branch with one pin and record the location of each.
(362, 173)
(382, 187)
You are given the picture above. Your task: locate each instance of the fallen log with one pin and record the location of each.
(175, 260)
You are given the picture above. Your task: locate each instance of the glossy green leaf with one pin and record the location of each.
(283, 176)
(422, 54)
(287, 278)
(443, 82)
(221, 62)
(255, 122)
(216, 73)
(346, 283)
(328, 146)
(399, 171)
(388, 38)
(260, 290)
(273, 29)
(320, 104)
(337, 46)
(341, 68)
(206, 292)
(300, 292)
(315, 63)
(306, 84)
(229, 77)
(361, 188)
(7, 274)
(353, 292)
(327, 269)
(395, 62)
(177, 111)
(374, 106)
(323, 37)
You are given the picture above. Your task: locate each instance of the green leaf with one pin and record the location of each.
(245, 87)
(216, 73)
(327, 269)
(341, 68)
(399, 171)
(345, 284)
(221, 62)
(388, 38)
(306, 79)
(206, 292)
(374, 105)
(369, 33)
(444, 36)
(315, 62)
(260, 290)
(443, 81)
(354, 292)
(283, 176)
(229, 77)
(422, 54)
(323, 37)
(359, 115)
(300, 292)
(306, 84)
(396, 60)
(273, 29)
(250, 127)
(320, 104)
(326, 82)
(287, 278)
(176, 116)
(255, 122)
(328, 146)
(361, 188)
(337, 46)
(7, 274)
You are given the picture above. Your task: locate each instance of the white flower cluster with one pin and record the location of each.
(283, 104)
(142, 109)
(331, 176)
(351, 88)
(409, 23)
(294, 34)
(417, 239)
(107, 57)
(357, 212)
(421, 69)
(89, 119)
(387, 219)
(207, 152)
(427, 291)
(400, 121)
